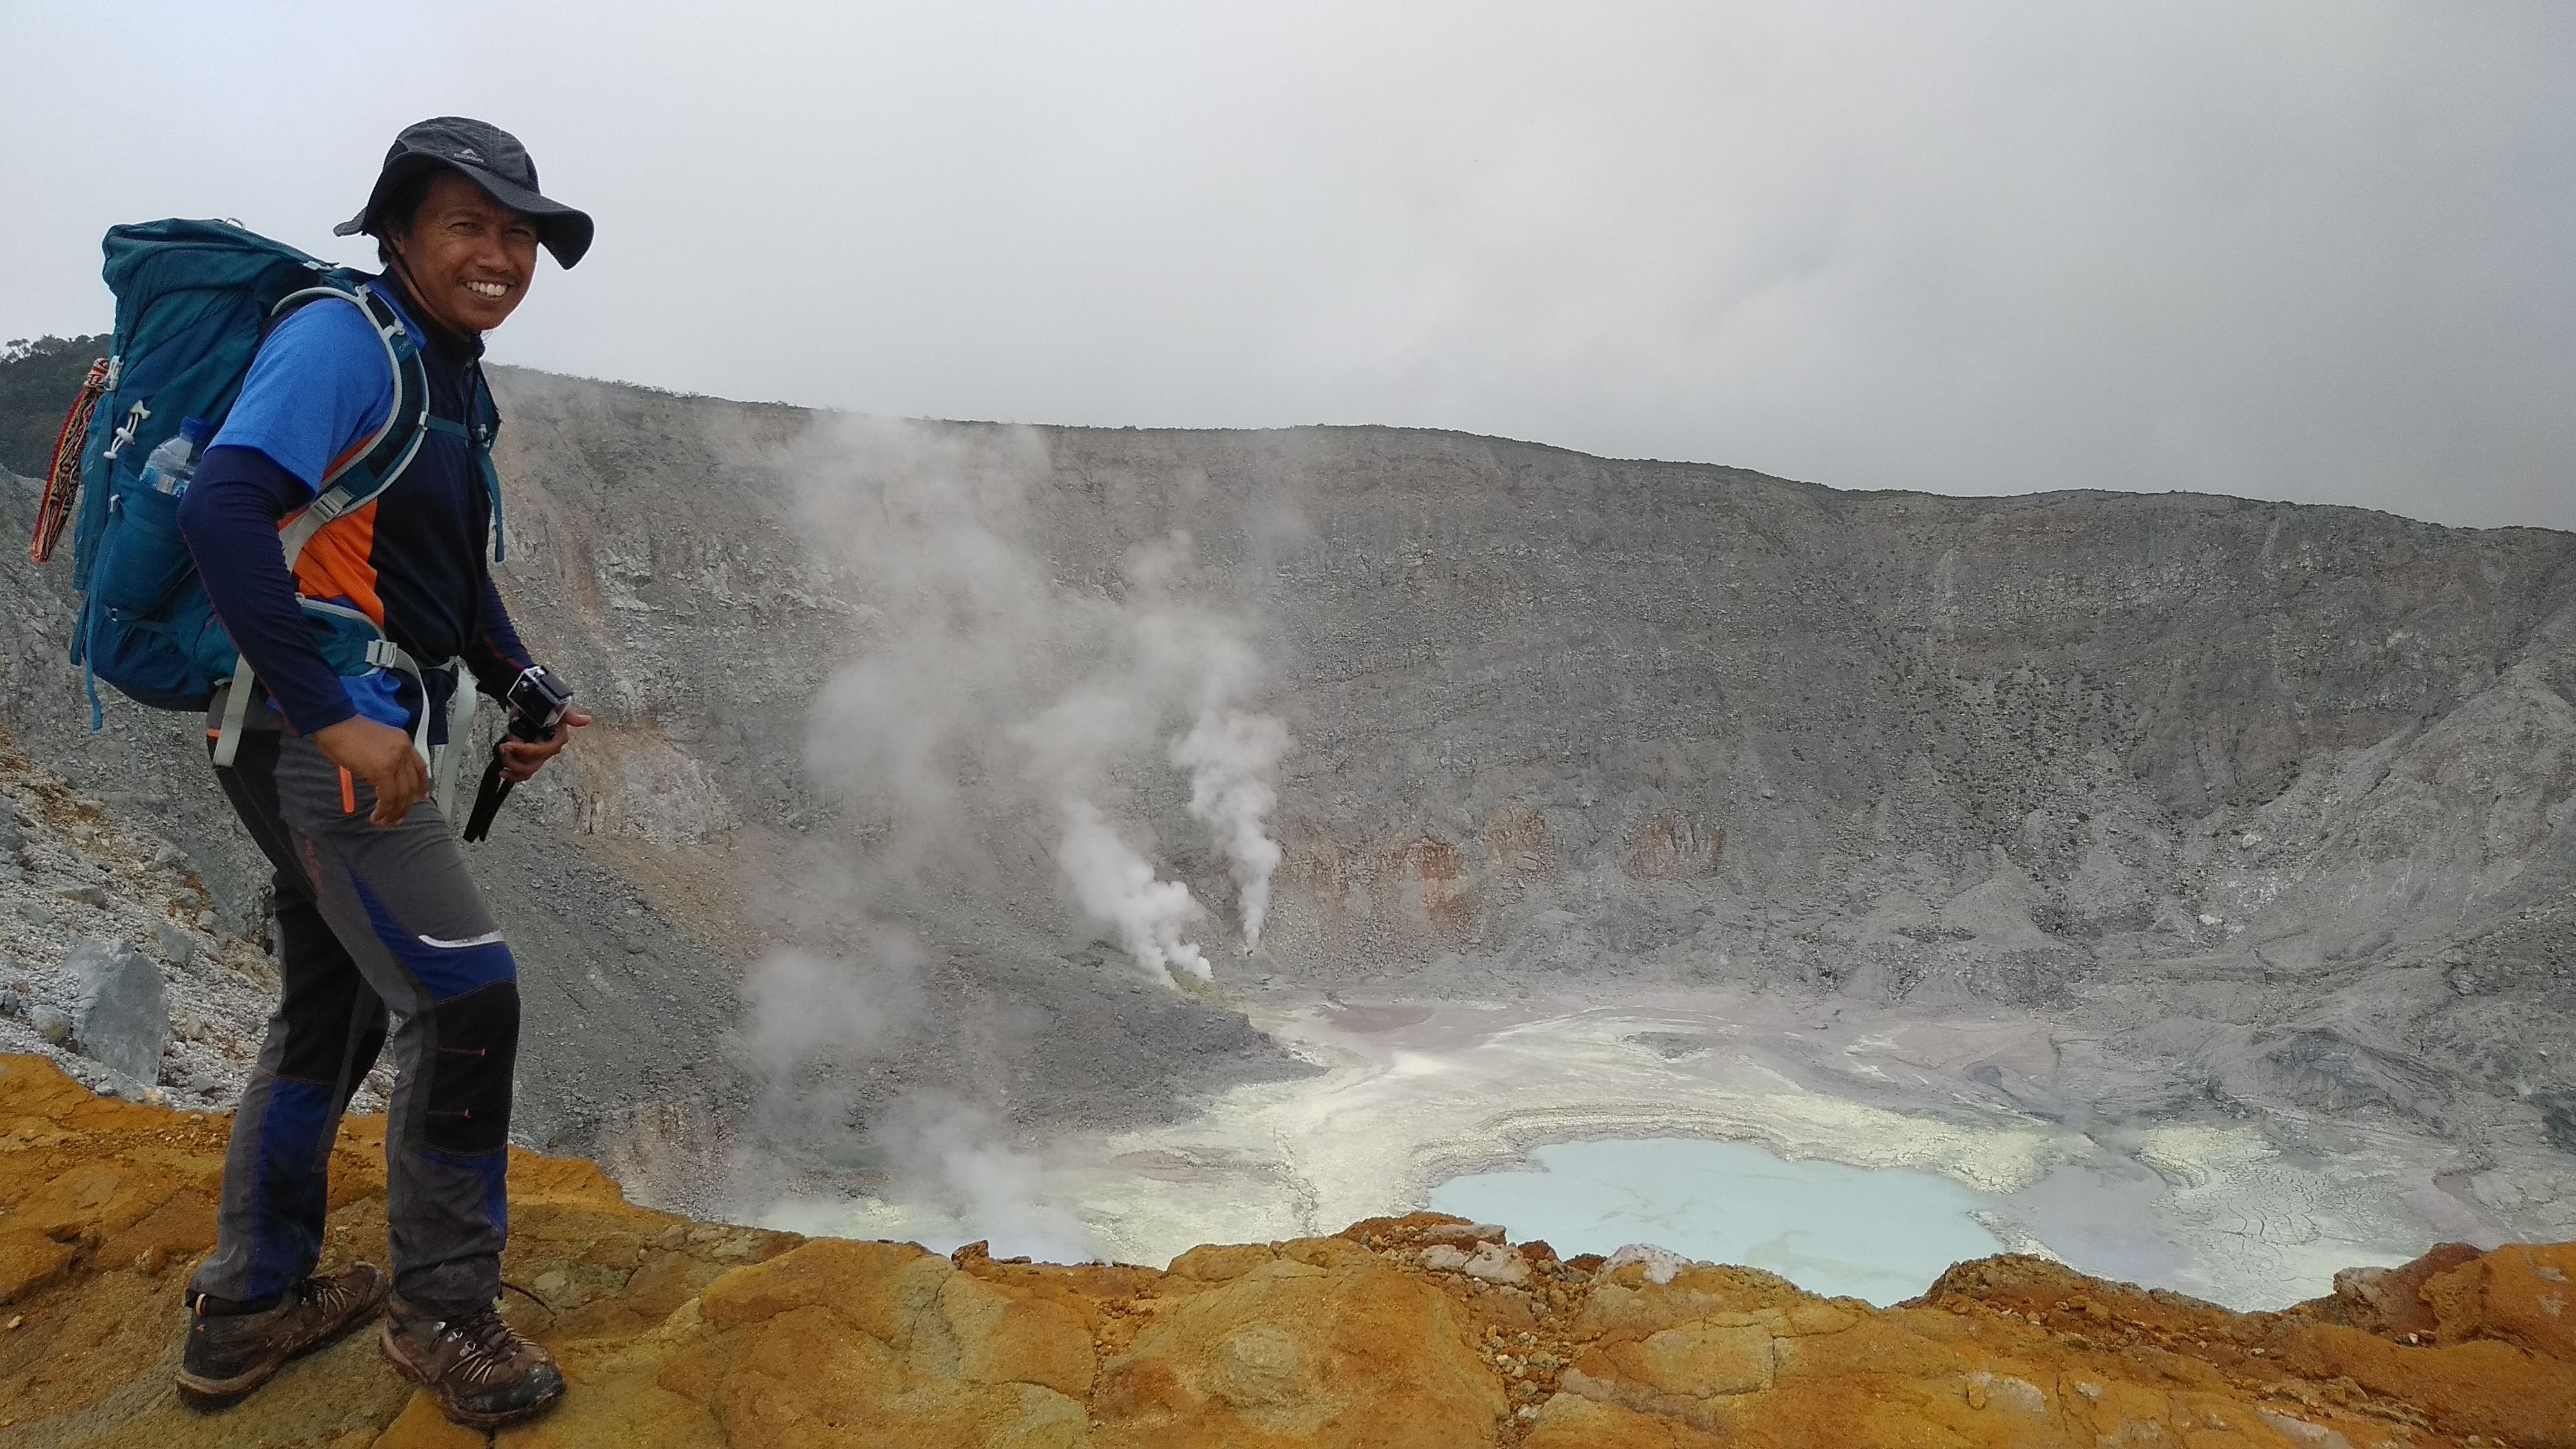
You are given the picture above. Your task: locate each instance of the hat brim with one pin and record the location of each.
(564, 230)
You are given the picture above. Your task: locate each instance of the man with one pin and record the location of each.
(375, 909)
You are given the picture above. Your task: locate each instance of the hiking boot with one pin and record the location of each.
(230, 1354)
(482, 1373)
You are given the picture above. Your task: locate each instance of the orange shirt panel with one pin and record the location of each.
(339, 563)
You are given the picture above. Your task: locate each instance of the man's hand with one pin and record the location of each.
(520, 760)
(383, 757)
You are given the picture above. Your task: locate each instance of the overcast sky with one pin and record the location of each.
(2320, 251)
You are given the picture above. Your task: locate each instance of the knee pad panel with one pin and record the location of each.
(473, 1051)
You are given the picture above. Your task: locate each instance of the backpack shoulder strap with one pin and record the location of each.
(481, 427)
(371, 465)
(366, 470)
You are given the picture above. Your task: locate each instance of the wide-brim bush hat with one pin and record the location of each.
(490, 158)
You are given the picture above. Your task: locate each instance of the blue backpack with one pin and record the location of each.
(194, 299)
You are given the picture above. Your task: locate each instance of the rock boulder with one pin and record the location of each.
(121, 1008)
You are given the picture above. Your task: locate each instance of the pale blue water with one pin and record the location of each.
(1876, 1233)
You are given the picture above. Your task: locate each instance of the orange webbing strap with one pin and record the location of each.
(62, 477)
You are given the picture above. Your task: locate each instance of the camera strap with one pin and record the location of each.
(487, 800)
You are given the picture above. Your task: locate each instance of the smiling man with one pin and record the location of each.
(375, 909)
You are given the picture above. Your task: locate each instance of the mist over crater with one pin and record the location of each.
(2086, 817)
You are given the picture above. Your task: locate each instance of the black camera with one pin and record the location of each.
(536, 703)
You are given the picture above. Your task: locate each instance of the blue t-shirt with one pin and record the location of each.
(412, 560)
(321, 384)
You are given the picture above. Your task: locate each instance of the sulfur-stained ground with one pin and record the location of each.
(1412, 1333)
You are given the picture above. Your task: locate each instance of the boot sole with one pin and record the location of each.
(224, 1393)
(466, 1418)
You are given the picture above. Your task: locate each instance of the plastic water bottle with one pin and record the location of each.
(175, 461)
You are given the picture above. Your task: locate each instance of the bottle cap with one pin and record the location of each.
(195, 430)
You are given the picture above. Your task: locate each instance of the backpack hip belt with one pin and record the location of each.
(382, 654)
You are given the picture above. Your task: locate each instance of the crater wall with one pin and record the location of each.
(2277, 795)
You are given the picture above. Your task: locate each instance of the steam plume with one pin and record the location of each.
(811, 1019)
(986, 756)
(954, 1154)
(1116, 885)
(1230, 756)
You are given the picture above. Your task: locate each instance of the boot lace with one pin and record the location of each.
(322, 1292)
(489, 1345)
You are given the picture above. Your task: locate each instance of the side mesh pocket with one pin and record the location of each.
(141, 557)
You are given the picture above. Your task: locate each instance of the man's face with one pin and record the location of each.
(469, 256)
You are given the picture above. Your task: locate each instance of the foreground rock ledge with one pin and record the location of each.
(1417, 1331)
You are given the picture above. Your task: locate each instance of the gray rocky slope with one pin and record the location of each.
(2270, 805)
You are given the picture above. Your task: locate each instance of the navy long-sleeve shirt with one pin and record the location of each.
(412, 560)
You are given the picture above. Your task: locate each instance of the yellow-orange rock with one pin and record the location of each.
(681, 1333)
(1290, 1353)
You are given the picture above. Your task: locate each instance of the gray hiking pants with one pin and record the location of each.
(368, 918)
